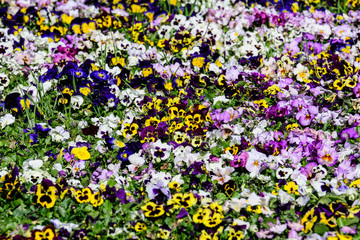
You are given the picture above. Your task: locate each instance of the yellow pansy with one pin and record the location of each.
(81, 153)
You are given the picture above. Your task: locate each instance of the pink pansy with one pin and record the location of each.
(240, 160)
(327, 155)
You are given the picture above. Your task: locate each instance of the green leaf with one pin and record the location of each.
(19, 212)
(357, 237)
(107, 206)
(347, 221)
(221, 196)
(61, 211)
(89, 208)
(324, 200)
(236, 195)
(54, 172)
(98, 227)
(168, 221)
(320, 229)
(111, 182)
(218, 105)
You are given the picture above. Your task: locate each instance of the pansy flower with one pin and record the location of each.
(96, 199)
(229, 188)
(84, 195)
(327, 155)
(47, 233)
(213, 219)
(201, 215)
(151, 209)
(82, 25)
(130, 130)
(47, 194)
(9, 187)
(164, 233)
(235, 234)
(309, 220)
(185, 200)
(160, 150)
(100, 76)
(81, 153)
(140, 226)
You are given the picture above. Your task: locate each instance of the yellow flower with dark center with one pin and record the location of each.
(180, 137)
(309, 220)
(46, 196)
(173, 112)
(189, 119)
(319, 71)
(291, 187)
(11, 186)
(201, 214)
(131, 129)
(63, 100)
(147, 71)
(235, 235)
(161, 43)
(174, 185)
(255, 209)
(331, 222)
(185, 200)
(172, 101)
(139, 227)
(191, 127)
(152, 121)
(205, 236)
(198, 62)
(81, 153)
(163, 233)
(351, 83)
(83, 195)
(196, 141)
(5, 177)
(158, 104)
(208, 118)
(292, 127)
(62, 30)
(68, 91)
(272, 90)
(339, 84)
(182, 113)
(262, 103)
(118, 61)
(48, 233)
(153, 210)
(198, 119)
(96, 199)
(213, 220)
(215, 206)
(106, 21)
(233, 149)
(199, 91)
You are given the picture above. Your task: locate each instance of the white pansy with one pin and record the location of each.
(6, 120)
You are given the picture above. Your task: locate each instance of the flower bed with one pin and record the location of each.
(179, 119)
